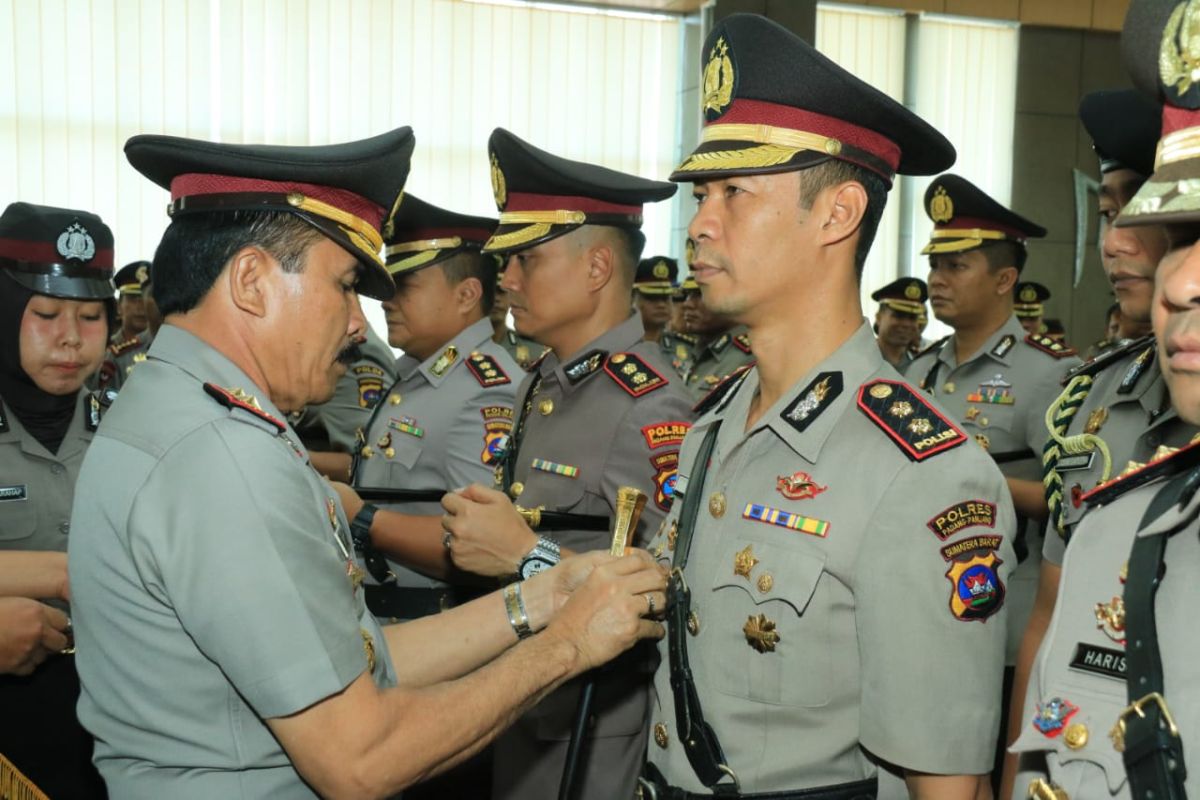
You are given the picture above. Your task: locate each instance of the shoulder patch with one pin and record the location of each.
(1103, 361)
(486, 370)
(581, 367)
(908, 419)
(1048, 345)
(236, 398)
(742, 342)
(723, 391)
(128, 344)
(1167, 462)
(632, 374)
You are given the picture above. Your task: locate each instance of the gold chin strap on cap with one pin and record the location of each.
(360, 232)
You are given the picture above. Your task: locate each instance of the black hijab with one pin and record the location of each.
(46, 416)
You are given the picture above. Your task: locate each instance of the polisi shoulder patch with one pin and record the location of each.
(486, 370)
(234, 399)
(1048, 345)
(633, 374)
(908, 419)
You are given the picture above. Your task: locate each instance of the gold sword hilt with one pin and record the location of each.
(630, 502)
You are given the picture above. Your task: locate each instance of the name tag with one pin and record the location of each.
(1076, 462)
(13, 493)
(1099, 661)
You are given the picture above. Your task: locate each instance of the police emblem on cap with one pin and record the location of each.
(1028, 295)
(1179, 53)
(75, 242)
(661, 270)
(143, 274)
(941, 207)
(689, 252)
(718, 80)
(499, 189)
(912, 291)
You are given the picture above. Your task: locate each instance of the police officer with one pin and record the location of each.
(652, 289)
(1122, 626)
(676, 343)
(225, 647)
(721, 347)
(598, 412)
(443, 422)
(1115, 408)
(131, 341)
(55, 297)
(1030, 305)
(901, 304)
(835, 539)
(524, 351)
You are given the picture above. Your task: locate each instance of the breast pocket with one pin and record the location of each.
(18, 512)
(1078, 748)
(767, 635)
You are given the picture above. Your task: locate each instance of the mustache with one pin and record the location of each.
(350, 353)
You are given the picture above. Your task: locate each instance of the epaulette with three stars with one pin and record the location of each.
(919, 429)
(486, 370)
(1048, 345)
(117, 349)
(1167, 461)
(633, 374)
(235, 399)
(1099, 363)
(723, 390)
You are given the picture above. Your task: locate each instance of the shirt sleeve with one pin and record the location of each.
(229, 532)
(929, 589)
(485, 420)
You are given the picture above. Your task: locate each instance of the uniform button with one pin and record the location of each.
(765, 582)
(64, 528)
(394, 399)
(516, 489)
(390, 452)
(693, 623)
(1076, 736)
(57, 469)
(949, 387)
(367, 452)
(660, 735)
(545, 406)
(716, 504)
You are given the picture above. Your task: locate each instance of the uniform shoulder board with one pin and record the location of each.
(1102, 361)
(1167, 462)
(486, 370)
(633, 374)
(908, 419)
(1048, 345)
(236, 398)
(742, 341)
(724, 391)
(117, 349)
(933, 348)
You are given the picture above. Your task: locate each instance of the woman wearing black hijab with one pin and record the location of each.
(55, 299)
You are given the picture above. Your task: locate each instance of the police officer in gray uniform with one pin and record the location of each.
(652, 289)
(1115, 409)
(55, 297)
(130, 343)
(721, 346)
(1123, 625)
(598, 412)
(443, 423)
(676, 343)
(524, 351)
(901, 304)
(225, 647)
(807, 612)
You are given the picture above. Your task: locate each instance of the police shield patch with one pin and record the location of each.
(978, 592)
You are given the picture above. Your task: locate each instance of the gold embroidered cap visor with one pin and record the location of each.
(965, 217)
(350, 192)
(1171, 195)
(904, 307)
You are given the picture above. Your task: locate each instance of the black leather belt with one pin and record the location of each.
(410, 602)
(654, 787)
(1014, 455)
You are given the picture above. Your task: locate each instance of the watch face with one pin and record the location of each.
(533, 565)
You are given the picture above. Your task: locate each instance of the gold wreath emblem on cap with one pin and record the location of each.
(1179, 52)
(941, 207)
(661, 270)
(689, 252)
(142, 274)
(1028, 294)
(499, 188)
(912, 291)
(718, 78)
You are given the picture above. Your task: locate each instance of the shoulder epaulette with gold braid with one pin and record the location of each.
(236, 398)
(906, 416)
(725, 388)
(742, 342)
(1048, 345)
(486, 370)
(633, 374)
(1094, 366)
(1168, 462)
(117, 349)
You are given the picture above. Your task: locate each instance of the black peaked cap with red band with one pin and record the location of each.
(58, 252)
(350, 191)
(772, 103)
(542, 196)
(424, 234)
(965, 217)
(1124, 125)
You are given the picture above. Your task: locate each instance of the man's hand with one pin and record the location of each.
(487, 534)
(29, 632)
(604, 616)
(350, 499)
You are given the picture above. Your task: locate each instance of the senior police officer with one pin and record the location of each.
(1029, 305)
(1115, 408)
(55, 296)
(598, 412)
(653, 286)
(225, 647)
(131, 341)
(1113, 705)
(808, 614)
(523, 350)
(722, 346)
(676, 343)
(443, 422)
(901, 304)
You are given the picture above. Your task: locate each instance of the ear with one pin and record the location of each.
(600, 266)
(467, 295)
(1006, 279)
(840, 210)
(247, 276)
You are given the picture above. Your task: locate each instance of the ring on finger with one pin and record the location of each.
(650, 603)
(446, 537)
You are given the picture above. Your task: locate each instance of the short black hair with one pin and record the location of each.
(1004, 253)
(473, 264)
(834, 172)
(195, 249)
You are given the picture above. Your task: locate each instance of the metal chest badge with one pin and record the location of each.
(760, 633)
(1096, 420)
(978, 592)
(1110, 616)
(798, 486)
(995, 390)
(1051, 717)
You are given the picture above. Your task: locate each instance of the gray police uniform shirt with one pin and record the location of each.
(211, 573)
(678, 349)
(121, 358)
(847, 575)
(711, 363)
(440, 425)
(522, 350)
(1077, 686)
(609, 416)
(356, 396)
(1129, 409)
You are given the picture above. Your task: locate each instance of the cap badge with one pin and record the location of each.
(1028, 294)
(912, 291)
(499, 189)
(75, 242)
(1179, 52)
(941, 207)
(689, 252)
(661, 270)
(143, 274)
(718, 79)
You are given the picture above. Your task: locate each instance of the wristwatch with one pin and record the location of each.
(544, 555)
(360, 527)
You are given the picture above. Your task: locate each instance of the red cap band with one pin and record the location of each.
(196, 183)
(476, 235)
(519, 201)
(47, 253)
(1176, 119)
